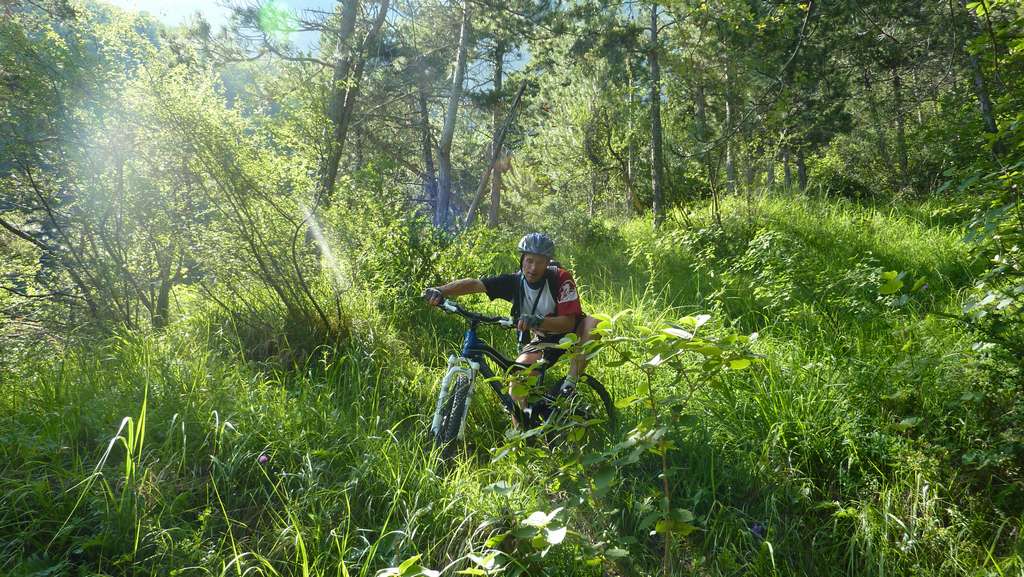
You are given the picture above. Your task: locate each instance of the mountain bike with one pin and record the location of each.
(587, 405)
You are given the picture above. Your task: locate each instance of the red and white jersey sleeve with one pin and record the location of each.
(567, 299)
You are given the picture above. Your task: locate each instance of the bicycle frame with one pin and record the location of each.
(472, 361)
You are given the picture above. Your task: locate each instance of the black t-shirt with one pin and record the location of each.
(554, 295)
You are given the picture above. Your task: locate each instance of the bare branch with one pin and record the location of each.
(22, 234)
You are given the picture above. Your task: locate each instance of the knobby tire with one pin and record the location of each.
(606, 400)
(452, 415)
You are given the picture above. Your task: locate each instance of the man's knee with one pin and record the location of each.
(586, 326)
(527, 359)
(523, 362)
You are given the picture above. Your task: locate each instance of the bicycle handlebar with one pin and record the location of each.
(453, 307)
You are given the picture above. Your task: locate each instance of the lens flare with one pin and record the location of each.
(276, 20)
(335, 266)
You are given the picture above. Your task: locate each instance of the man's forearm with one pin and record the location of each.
(560, 324)
(461, 287)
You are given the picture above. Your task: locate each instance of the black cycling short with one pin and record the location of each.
(547, 345)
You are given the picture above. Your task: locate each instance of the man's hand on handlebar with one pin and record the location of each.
(527, 322)
(433, 296)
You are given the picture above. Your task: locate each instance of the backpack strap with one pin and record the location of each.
(517, 297)
(552, 274)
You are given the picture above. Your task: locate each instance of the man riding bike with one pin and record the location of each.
(544, 302)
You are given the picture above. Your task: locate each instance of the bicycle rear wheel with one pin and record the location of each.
(607, 404)
(453, 414)
(588, 409)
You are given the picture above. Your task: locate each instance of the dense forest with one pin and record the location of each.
(798, 226)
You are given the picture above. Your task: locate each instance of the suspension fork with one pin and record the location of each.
(456, 365)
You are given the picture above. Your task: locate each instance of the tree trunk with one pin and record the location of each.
(161, 316)
(632, 205)
(730, 152)
(801, 168)
(769, 174)
(499, 140)
(496, 119)
(429, 176)
(876, 118)
(336, 106)
(352, 88)
(787, 172)
(444, 144)
(981, 91)
(702, 128)
(901, 142)
(977, 78)
(656, 152)
(591, 202)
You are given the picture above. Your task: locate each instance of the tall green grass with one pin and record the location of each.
(853, 449)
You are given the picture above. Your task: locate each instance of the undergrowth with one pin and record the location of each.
(871, 438)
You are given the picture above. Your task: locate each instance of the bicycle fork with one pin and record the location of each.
(456, 366)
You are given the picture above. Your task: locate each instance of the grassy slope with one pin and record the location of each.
(814, 445)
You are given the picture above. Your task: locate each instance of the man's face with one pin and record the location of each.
(534, 266)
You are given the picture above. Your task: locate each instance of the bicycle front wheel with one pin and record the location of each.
(453, 415)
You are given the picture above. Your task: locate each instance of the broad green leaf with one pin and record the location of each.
(684, 529)
(407, 564)
(494, 541)
(626, 402)
(890, 286)
(908, 423)
(657, 360)
(678, 333)
(540, 519)
(710, 351)
(485, 561)
(500, 487)
(616, 553)
(648, 520)
(739, 364)
(972, 396)
(520, 390)
(604, 477)
(568, 341)
(525, 533)
(556, 536)
(682, 515)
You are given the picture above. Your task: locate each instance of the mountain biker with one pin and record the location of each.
(544, 302)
